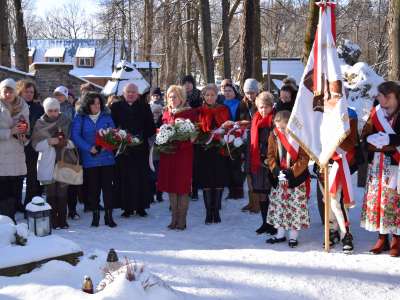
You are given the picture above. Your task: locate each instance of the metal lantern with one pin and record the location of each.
(38, 213)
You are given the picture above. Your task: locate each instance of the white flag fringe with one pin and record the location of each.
(319, 121)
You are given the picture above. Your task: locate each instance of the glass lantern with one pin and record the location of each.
(38, 213)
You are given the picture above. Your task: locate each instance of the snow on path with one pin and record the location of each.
(229, 261)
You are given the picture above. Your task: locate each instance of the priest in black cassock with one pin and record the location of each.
(132, 171)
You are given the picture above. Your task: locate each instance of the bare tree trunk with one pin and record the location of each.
(123, 25)
(230, 17)
(129, 49)
(196, 46)
(21, 43)
(148, 28)
(5, 52)
(188, 39)
(246, 41)
(257, 59)
(207, 40)
(394, 40)
(225, 34)
(312, 23)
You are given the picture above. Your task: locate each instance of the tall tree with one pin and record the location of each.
(129, 48)
(207, 40)
(394, 40)
(257, 59)
(5, 53)
(312, 23)
(148, 28)
(247, 40)
(225, 34)
(21, 43)
(188, 38)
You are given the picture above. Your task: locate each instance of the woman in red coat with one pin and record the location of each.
(175, 175)
(213, 174)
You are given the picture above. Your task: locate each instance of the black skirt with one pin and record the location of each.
(212, 169)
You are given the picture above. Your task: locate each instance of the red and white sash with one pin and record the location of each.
(382, 124)
(288, 142)
(339, 175)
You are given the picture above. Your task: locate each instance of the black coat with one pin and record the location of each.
(132, 170)
(35, 112)
(194, 99)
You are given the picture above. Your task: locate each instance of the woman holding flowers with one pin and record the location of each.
(175, 174)
(213, 172)
(98, 163)
(133, 115)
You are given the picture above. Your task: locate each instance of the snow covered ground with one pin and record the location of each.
(224, 261)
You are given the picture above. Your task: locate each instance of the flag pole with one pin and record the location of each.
(327, 207)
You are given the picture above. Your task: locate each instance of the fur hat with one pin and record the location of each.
(51, 103)
(250, 85)
(61, 90)
(8, 82)
(156, 91)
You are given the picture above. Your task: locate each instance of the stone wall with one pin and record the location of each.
(47, 77)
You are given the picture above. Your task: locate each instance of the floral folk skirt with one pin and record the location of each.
(381, 206)
(288, 207)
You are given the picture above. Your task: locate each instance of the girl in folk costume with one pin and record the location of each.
(343, 163)
(212, 168)
(175, 174)
(291, 183)
(259, 174)
(381, 207)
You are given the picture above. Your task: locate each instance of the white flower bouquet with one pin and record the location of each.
(168, 135)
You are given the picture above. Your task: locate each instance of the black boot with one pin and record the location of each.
(108, 218)
(264, 211)
(96, 218)
(207, 196)
(265, 227)
(216, 200)
(159, 197)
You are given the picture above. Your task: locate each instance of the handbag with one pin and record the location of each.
(68, 173)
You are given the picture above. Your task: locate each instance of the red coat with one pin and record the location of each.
(175, 173)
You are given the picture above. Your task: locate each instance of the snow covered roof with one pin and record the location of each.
(103, 55)
(85, 52)
(31, 51)
(292, 67)
(55, 52)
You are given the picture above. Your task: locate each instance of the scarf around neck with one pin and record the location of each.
(257, 123)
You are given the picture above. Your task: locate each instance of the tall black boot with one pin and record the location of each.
(96, 218)
(159, 197)
(216, 196)
(207, 196)
(108, 218)
(264, 211)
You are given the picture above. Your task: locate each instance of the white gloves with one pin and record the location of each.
(379, 139)
(282, 176)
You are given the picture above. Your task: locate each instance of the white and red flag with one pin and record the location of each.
(319, 121)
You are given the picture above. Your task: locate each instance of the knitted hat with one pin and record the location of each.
(250, 85)
(51, 103)
(61, 90)
(8, 82)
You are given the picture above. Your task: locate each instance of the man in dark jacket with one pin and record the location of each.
(193, 95)
(193, 98)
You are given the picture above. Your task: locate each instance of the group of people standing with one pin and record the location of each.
(35, 136)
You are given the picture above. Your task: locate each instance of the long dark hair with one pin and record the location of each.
(89, 99)
(388, 87)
